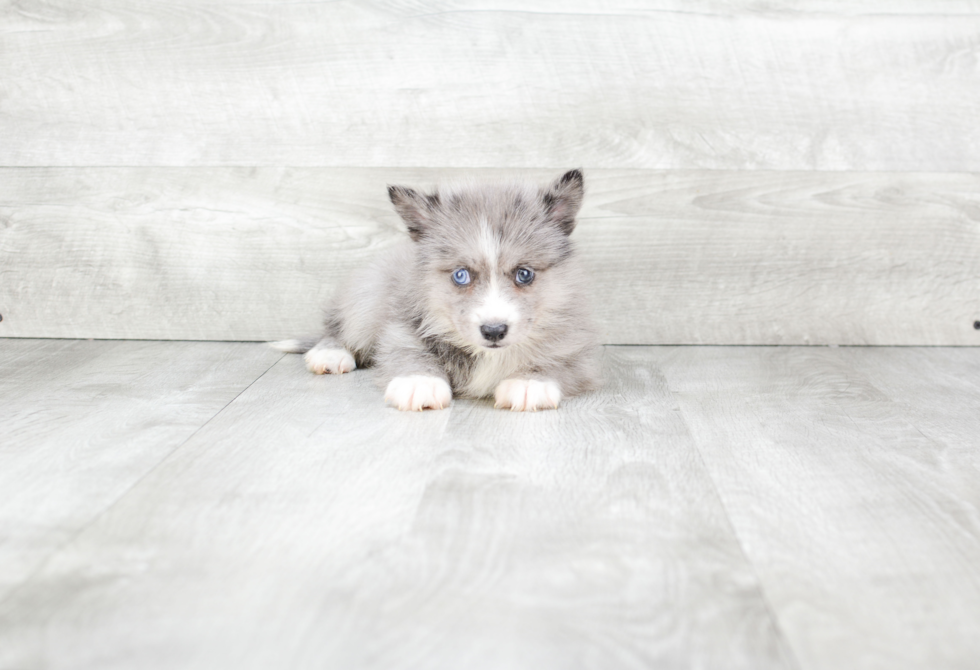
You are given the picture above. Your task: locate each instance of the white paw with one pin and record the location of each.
(418, 392)
(329, 361)
(527, 395)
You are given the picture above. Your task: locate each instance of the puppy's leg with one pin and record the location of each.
(418, 392)
(527, 395)
(413, 378)
(328, 357)
(544, 386)
(323, 356)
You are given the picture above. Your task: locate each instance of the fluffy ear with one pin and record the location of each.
(415, 208)
(563, 198)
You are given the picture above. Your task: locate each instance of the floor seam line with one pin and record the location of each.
(40, 566)
(793, 658)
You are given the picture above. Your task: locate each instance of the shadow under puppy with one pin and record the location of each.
(486, 299)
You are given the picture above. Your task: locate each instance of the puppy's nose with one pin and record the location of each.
(494, 332)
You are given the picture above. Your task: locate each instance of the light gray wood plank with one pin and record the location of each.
(690, 257)
(922, 380)
(712, 84)
(309, 526)
(82, 422)
(863, 528)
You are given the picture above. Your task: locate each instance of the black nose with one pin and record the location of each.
(494, 332)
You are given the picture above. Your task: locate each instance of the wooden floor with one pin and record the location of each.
(213, 505)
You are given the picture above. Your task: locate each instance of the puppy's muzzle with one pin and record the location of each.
(494, 332)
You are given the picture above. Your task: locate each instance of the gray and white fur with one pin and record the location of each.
(485, 300)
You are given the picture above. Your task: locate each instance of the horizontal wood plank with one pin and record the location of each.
(819, 84)
(308, 526)
(689, 257)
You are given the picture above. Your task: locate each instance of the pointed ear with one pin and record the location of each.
(415, 208)
(563, 198)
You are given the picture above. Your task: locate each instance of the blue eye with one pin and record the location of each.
(524, 276)
(461, 277)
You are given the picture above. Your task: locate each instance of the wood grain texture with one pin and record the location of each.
(931, 378)
(688, 257)
(82, 422)
(862, 526)
(307, 526)
(710, 84)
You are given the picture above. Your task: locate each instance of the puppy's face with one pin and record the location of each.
(491, 257)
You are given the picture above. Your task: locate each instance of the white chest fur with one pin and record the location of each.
(491, 368)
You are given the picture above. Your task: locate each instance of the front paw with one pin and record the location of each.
(527, 395)
(329, 361)
(418, 392)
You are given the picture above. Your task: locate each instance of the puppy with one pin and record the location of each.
(486, 299)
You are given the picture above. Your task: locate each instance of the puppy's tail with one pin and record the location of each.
(294, 346)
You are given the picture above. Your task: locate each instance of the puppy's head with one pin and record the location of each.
(492, 258)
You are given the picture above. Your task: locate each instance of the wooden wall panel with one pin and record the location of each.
(719, 84)
(691, 257)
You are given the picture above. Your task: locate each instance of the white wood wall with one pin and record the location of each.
(758, 173)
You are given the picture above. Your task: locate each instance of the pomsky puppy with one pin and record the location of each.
(486, 299)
